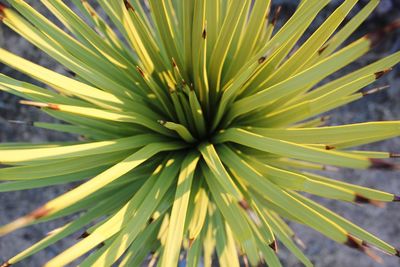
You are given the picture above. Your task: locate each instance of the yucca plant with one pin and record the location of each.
(200, 125)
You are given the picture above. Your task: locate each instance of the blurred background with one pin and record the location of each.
(385, 105)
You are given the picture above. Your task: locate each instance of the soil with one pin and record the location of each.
(384, 222)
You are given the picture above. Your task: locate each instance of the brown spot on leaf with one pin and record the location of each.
(141, 72)
(38, 213)
(322, 49)
(83, 235)
(352, 243)
(53, 106)
(361, 199)
(243, 203)
(128, 5)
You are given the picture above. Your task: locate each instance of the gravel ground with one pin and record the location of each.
(323, 252)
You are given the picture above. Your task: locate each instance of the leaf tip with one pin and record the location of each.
(379, 164)
(6, 264)
(396, 198)
(364, 200)
(27, 123)
(352, 242)
(40, 104)
(274, 246)
(377, 36)
(380, 74)
(375, 90)
(162, 122)
(276, 15)
(299, 242)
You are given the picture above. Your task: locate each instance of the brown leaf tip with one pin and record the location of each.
(396, 198)
(378, 35)
(397, 253)
(243, 203)
(382, 165)
(6, 264)
(394, 155)
(28, 123)
(379, 74)
(353, 243)
(364, 200)
(276, 15)
(274, 246)
(141, 72)
(39, 104)
(299, 242)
